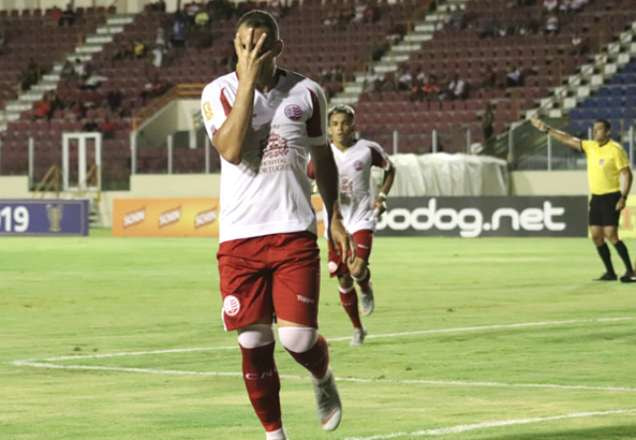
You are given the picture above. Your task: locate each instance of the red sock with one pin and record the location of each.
(349, 301)
(262, 384)
(365, 281)
(316, 359)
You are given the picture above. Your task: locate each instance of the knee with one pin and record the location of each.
(358, 268)
(598, 239)
(298, 339)
(256, 335)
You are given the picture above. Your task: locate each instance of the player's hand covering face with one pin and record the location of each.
(254, 52)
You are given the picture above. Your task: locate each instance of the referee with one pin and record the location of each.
(610, 179)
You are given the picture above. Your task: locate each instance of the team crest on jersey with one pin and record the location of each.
(231, 305)
(294, 112)
(357, 165)
(601, 162)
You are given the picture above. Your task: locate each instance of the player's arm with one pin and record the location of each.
(326, 174)
(230, 137)
(626, 177)
(561, 136)
(387, 183)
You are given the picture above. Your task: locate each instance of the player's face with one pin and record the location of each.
(341, 128)
(599, 132)
(270, 44)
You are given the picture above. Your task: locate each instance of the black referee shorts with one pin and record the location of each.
(603, 209)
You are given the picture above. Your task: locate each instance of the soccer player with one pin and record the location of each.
(354, 158)
(610, 179)
(264, 122)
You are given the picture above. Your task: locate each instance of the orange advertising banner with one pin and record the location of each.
(196, 217)
(189, 217)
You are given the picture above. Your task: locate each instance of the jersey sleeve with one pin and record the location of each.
(622, 161)
(379, 158)
(585, 145)
(215, 107)
(317, 122)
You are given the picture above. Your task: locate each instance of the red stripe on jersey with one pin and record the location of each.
(227, 107)
(314, 124)
(311, 173)
(376, 158)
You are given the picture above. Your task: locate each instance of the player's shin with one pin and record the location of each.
(263, 384)
(349, 301)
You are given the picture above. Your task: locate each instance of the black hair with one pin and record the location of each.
(343, 109)
(258, 18)
(605, 123)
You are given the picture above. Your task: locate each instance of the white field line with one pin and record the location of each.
(455, 383)
(472, 329)
(49, 362)
(480, 328)
(494, 424)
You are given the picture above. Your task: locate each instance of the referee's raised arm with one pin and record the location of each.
(561, 136)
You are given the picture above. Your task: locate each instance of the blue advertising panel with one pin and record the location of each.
(43, 217)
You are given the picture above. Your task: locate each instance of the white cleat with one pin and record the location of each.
(276, 435)
(366, 302)
(328, 402)
(358, 336)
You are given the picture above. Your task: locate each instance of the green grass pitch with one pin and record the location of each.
(444, 357)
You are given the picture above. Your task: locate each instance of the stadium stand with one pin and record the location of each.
(330, 42)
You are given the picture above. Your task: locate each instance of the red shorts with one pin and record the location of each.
(362, 240)
(271, 275)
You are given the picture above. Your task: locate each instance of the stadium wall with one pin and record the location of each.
(549, 183)
(178, 115)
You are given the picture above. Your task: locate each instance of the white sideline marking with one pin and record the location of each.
(488, 327)
(348, 338)
(48, 362)
(494, 424)
(457, 383)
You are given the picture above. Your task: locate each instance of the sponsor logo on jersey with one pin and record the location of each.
(207, 110)
(133, 218)
(601, 162)
(294, 112)
(305, 299)
(231, 305)
(170, 216)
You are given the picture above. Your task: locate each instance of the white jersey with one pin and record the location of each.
(354, 175)
(268, 192)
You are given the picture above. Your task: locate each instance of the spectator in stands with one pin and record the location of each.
(550, 6)
(92, 81)
(565, 7)
(487, 27)
(55, 14)
(551, 25)
(154, 87)
(577, 5)
(114, 99)
(68, 16)
(379, 49)
(430, 89)
(138, 49)
(489, 77)
(202, 19)
(178, 37)
(68, 71)
(396, 33)
(157, 56)
(80, 69)
(159, 6)
(487, 122)
(405, 79)
(31, 75)
(107, 128)
(580, 45)
(514, 78)
(42, 109)
(456, 89)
